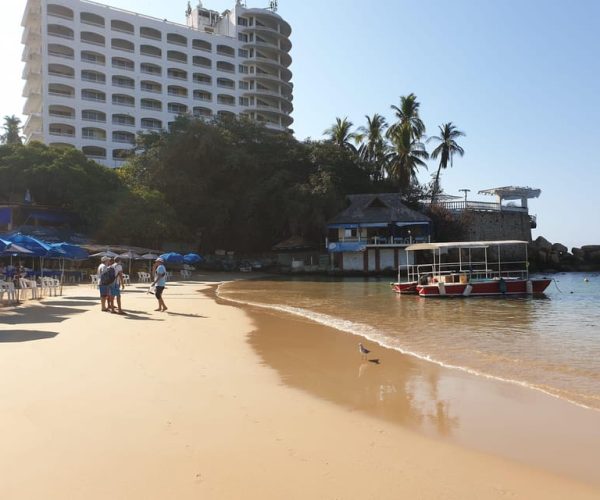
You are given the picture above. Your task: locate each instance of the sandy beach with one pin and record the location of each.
(210, 400)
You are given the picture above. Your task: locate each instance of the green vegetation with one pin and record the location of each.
(12, 130)
(65, 178)
(446, 150)
(229, 183)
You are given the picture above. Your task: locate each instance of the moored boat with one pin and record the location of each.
(405, 287)
(473, 274)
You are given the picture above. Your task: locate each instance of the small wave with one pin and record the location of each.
(376, 336)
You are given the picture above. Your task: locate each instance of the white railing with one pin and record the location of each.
(456, 206)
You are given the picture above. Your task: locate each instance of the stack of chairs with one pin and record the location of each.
(30, 285)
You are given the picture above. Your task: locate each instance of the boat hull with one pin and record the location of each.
(405, 288)
(484, 288)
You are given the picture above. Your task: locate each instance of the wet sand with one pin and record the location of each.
(213, 401)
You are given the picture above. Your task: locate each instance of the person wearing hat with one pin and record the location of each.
(160, 280)
(103, 284)
(115, 290)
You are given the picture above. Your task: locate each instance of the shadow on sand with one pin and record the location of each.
(73, 303)
(25, 335)
(43, 314)
(186, 315)
(139, 315)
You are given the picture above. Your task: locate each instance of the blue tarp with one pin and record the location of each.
(347, 246)
(5, 216)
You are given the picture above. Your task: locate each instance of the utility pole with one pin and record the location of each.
(465, 191)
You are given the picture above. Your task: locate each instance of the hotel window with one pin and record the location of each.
(201, 45)
(93, 116)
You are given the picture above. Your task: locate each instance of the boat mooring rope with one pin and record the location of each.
(556, 284)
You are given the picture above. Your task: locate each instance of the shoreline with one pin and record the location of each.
(571, 427)
(316, 318)
(211, 401)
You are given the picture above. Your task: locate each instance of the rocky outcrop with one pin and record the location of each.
(544, 255)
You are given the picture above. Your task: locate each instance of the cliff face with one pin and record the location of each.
(544, 255)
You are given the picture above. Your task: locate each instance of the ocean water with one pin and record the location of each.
(550, 343)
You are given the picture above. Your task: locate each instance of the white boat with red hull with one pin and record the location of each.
(471, 274)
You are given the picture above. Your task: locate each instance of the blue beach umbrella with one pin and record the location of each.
(70, 251)
(10, 248)
(172, 258)
(37, 247)
(192, 258)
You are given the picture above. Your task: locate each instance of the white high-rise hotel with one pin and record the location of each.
(96, 75)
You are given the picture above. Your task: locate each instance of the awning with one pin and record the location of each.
(347, 246)
(346, 225)
(464, 244)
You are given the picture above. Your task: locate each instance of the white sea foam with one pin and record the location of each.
(374, 335)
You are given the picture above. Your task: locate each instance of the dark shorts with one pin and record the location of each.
(104, 290)
(115, 290)
(159, 291)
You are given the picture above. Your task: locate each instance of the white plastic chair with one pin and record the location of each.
(94, 279)
(52, 285)
(8, 288)
(56, 285)
(126, 279)
(30, 285)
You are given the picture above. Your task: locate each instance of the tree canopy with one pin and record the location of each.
(230, 182)
(12, 130)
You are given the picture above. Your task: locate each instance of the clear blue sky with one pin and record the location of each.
(521, 78)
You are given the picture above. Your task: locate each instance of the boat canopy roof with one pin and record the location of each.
(464, 244)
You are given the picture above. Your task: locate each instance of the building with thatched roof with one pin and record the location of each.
(371, 233)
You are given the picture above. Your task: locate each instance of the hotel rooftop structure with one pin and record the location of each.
(96, 75)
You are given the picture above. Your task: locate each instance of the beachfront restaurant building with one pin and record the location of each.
(370, 235)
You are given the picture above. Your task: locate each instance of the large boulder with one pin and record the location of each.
(593, 256)
(542, 243)
(589, 249)
(578, 253)
(560, 248)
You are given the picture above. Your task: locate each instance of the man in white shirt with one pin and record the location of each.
(160, 280)
(115, 291)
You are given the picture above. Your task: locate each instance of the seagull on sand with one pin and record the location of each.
(363, 350)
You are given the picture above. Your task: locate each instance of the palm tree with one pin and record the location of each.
(372, 151)
(12, 129)
(446, 150)
(407, 155)
(340, 134)
(408, 116)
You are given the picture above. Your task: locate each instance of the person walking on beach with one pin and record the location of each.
(104, 282)
(160, 280)
(115, 291)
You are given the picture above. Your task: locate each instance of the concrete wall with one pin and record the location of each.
(503, 225)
